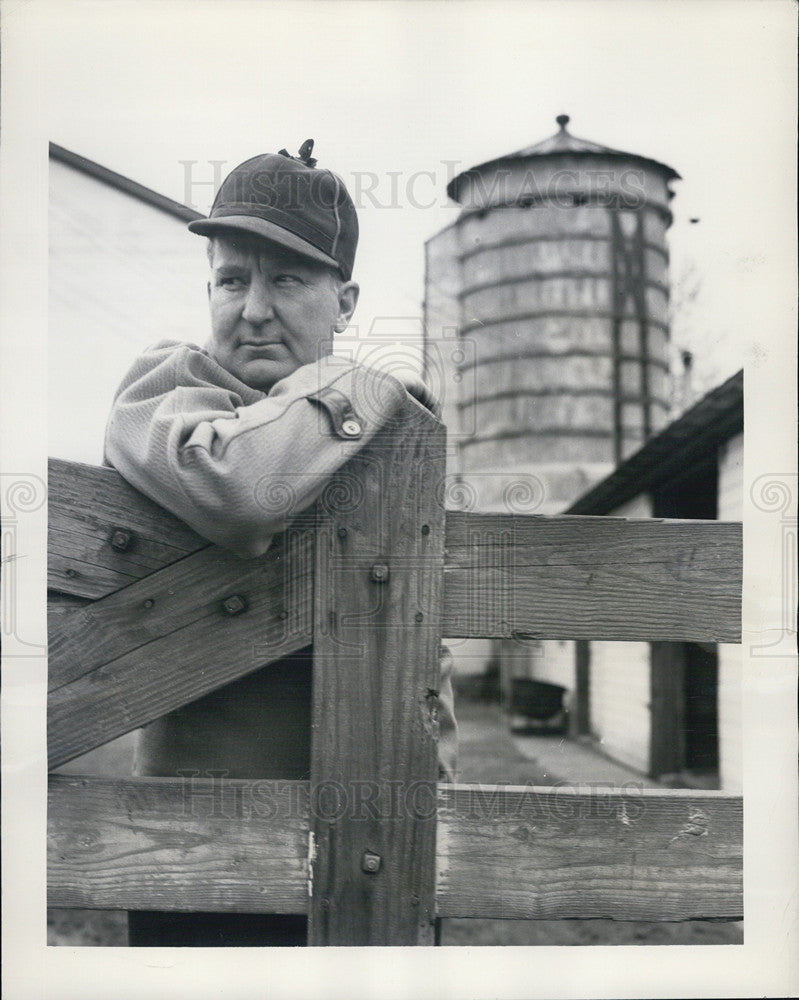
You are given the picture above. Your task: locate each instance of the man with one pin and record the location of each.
(203, 432)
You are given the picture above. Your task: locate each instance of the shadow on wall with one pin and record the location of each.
(114, 760)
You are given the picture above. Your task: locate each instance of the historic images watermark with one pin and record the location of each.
(213, 795)
(424, 189)
(22, 494)
(284, 495)
(779, 495)
(488, 546)
(392, 189)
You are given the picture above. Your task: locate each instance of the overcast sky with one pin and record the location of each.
(393, 92)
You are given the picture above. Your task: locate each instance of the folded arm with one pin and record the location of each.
(233, 463)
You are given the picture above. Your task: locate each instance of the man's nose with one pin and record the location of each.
(258, 306)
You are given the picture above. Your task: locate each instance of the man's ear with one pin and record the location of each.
(347, 301)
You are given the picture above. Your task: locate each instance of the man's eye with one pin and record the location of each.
(288, 279)
(231, 282)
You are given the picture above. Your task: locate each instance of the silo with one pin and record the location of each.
(553, 282)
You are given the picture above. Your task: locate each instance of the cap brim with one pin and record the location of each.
(267, 230)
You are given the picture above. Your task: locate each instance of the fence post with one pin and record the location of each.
(377, 634)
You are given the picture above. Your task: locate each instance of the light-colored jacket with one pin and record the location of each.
(237, 464)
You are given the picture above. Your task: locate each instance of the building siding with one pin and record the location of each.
(551, 660)
(122, 275)
(730, 492)
(619, 701)
(620, 717)
(730, 508)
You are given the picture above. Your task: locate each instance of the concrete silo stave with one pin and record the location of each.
(555, 275)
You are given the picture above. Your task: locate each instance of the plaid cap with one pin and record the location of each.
(289, 202)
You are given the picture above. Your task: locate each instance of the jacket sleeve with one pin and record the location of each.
(233, 463)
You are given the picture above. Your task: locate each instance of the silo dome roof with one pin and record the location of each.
(562, 142)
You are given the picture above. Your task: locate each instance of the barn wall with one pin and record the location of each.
(123, 275)
(555, 663)
(730, 508)
(550, 660)
(619, 700)
(730, 492)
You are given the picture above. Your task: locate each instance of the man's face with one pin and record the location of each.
(272, 310)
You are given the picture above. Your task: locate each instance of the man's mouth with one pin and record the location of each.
(261, 345)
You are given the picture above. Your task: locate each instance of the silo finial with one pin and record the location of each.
(563, 121)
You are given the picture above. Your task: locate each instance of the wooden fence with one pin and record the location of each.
(146, 616)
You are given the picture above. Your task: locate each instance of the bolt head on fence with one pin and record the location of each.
(234, 604)
(370, 863)
(120, 539)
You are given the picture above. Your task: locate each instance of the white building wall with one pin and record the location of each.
(555, 662)
(123, 275)
(550, 660)
(620, 687)
(730, 490)
(620, 716)
(730, 508)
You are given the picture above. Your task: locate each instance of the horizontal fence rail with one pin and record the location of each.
(145, 616)
(578, 577)
(150, 642)
(165, 640)
(87, 505)
(630, 854)
(503, 852)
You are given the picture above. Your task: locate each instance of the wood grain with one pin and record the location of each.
(569, 577)
(377, 636)
(86, 504)
(535, 853)
(119, 663)
(60, 607)
(156, 637)
(576, 577)
(178, 844)
(502, 852)
(572, 577)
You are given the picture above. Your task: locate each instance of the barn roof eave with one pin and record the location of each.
(121, 183)
(710, 422)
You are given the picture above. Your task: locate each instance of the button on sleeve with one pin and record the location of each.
(346, 422)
